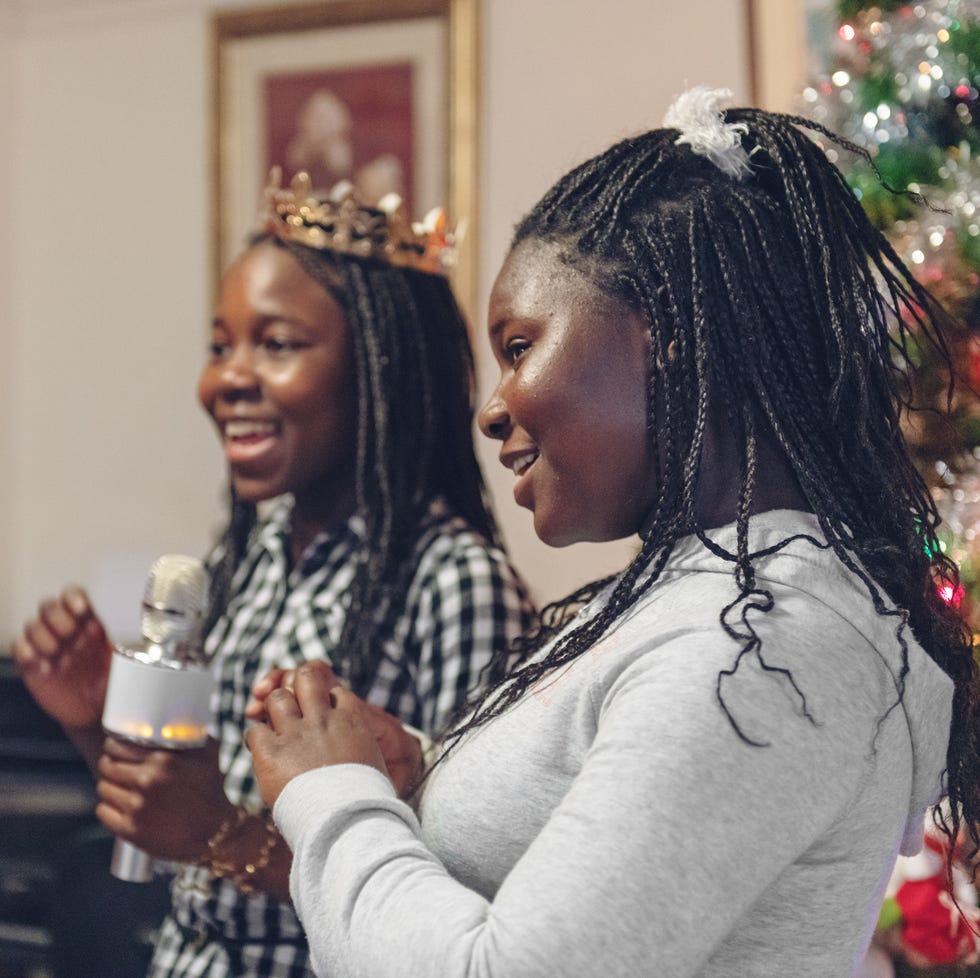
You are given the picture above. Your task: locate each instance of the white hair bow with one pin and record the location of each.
(697, 113)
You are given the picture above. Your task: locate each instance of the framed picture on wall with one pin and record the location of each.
(382, 93)
(778, 50)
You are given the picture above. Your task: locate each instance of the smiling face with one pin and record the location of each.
(280, 386)
(570, 408)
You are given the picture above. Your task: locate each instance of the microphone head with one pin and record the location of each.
(174, 599)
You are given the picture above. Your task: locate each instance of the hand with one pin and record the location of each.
(273, 679)
(402, 753)
(64, 656)
(315, 723)
(143, 797)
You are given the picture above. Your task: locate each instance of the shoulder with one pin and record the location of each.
(447, 547)
(788, 652)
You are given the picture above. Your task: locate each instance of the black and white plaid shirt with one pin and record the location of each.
(464, 604)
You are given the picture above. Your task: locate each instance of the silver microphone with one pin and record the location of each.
(159, 692)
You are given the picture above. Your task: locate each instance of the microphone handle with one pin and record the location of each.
(130, 864)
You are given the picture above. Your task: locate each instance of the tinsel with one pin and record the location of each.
(902, 80)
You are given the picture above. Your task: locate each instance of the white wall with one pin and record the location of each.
(559, 87)
(7, 83)
(112, 461)
(104, 275)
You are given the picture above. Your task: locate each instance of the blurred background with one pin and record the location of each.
(107, 265)
(106, 285)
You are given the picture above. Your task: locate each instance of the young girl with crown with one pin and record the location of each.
(339, 380)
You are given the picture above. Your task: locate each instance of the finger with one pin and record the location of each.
(312, 685)
(387, 729)
(43, 642)
(267, 683)
(111, 821)
(349, 708)
(255, 707)
(377, 716)
(126, 775)
(281, 708)
(115, 814)
(122, 773)
(257, 737)
(344, 701)
(57, 616)
(26, 655)
(92, 634)
(77, 602)
(124, 750)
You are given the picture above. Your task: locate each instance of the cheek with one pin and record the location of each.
(323, 401)
(205, 390)
(614, 427)
(536, 401)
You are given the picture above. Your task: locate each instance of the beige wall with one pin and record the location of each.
(103, 274)
(6, 330)
(556, 90)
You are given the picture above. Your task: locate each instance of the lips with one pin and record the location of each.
(241, 429)
(248, 439)
(522, 463)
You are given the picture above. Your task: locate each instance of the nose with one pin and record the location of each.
(493, 418)
(236, 374)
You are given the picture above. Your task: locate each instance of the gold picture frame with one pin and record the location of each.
(297, 62)
(777, 52)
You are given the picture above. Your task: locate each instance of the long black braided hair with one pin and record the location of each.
(414, 378)
(775, 302)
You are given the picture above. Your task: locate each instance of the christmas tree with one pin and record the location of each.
(902, 81)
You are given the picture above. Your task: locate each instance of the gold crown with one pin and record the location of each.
(338, 221)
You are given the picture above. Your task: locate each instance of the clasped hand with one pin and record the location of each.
(307, 719)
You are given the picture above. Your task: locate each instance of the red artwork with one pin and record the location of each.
(344, 124)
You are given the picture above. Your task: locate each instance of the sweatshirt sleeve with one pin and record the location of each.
(673, 828)
(337, 888)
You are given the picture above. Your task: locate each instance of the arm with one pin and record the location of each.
(646, 862)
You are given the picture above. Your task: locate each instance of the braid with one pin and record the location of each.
(414, 382)
(228, 553)
(776, 303)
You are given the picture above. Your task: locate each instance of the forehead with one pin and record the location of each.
(268, 267)
(269, 279)
(535, 280)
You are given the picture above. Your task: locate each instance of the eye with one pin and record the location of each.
(280, 345)
(217, 349)
(515, 348)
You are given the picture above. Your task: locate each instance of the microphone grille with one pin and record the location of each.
(177, 583)
(175, 597)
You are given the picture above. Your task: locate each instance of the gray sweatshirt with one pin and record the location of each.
(614, 824)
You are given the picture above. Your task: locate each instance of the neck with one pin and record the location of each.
(311, 517)
(776, 487)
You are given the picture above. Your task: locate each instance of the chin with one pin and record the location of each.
(249, 491)
(560, 536)
(565, 536)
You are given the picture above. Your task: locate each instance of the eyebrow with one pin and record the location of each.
(494, 329)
